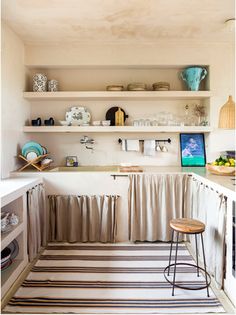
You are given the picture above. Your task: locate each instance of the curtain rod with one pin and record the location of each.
(138, 173)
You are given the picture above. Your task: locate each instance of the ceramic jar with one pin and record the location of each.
(53, 85)
(39, 82)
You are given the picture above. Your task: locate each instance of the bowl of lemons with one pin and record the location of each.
(222, 166)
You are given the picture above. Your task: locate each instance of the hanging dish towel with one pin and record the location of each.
(149, 147)
(130, 145)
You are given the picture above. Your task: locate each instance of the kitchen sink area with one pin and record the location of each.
(86, 168)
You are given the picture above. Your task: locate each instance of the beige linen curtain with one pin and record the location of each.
(210, 207)
(153, 201)
(36, 213)
(82, 218)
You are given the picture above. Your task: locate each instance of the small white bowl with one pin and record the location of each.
(106, 122)
(46, 161)
(64, 122)
(96, 123)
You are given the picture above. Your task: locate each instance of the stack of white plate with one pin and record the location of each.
(161, 86)
(115, 87)
(137, 87)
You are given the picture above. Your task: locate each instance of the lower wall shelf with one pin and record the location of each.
(115, 129)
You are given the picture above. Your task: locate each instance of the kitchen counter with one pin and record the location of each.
(224, 184)
(12, 188)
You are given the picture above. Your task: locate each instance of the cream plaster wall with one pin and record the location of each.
(91, 59)
(15, 110)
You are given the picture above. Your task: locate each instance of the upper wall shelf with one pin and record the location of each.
(111, 95)
(115, 129)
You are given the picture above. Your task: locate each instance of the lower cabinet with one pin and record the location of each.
(93, 184)
(16, 240)
(230, 275)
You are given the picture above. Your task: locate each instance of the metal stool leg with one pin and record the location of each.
(204, 261)
(196, 254)
(171, 245)
(176, 252)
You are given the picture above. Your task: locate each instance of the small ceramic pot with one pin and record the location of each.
(39, 82)
(53, 86)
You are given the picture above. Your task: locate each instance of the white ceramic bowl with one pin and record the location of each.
(46, 161)
(64, 122)
(106, 122)
(96, 123)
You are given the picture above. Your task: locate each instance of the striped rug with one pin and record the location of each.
(115, 279)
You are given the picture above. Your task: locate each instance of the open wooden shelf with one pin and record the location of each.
(115, 129)
(111, 95)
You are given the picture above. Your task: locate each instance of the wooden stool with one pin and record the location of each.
(187, 226)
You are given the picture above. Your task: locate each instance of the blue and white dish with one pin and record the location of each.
(32, 149)
(32, 146)
(78, 116)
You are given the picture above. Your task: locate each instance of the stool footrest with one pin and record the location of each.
(183, 287)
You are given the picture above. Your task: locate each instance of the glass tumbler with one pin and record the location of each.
(147, 122)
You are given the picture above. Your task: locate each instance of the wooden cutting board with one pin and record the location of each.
(131, 169)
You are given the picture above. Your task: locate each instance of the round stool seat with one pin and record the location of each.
(187, 226)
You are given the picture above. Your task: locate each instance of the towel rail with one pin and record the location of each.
(157, 140)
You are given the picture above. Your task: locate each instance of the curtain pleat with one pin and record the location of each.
(153, 201)
(82, 218)
(36, 213)
(210, 207)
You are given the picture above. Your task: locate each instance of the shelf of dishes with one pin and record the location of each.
(116, 129)
(132, 95)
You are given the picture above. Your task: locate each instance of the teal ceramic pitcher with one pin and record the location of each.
(193, 77)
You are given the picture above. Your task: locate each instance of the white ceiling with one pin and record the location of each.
(49, 21)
